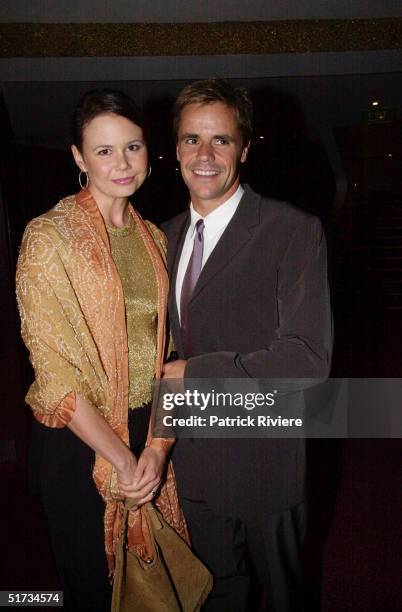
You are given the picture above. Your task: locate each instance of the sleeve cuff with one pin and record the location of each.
(61, 416)
(163, 444)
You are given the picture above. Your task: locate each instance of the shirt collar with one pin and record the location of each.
(219, 217)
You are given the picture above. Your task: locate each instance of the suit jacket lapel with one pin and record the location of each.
(233, 239)
(174, 251)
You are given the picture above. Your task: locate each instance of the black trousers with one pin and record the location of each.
(229, 545)
(61, 472)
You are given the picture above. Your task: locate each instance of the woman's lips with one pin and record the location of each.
(124, 181)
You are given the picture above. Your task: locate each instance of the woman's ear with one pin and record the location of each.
(79, 160)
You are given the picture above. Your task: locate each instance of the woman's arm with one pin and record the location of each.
(92, 428)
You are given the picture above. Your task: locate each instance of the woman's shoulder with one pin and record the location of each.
(158, 236)
(156, 232)
(49, 231)
(50, 219)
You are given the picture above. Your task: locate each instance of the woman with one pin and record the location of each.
(92, 290)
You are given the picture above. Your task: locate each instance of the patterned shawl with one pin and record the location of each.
(73, 322)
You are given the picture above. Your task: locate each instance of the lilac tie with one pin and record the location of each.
(189, 281)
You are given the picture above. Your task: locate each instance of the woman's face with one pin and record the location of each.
(115, 156)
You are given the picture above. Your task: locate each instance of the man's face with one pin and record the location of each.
(210, 149)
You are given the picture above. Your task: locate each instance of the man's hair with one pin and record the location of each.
(217, 90)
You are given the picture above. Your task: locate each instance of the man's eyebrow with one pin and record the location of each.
(215, 136)
(188, 135)
(224, 137)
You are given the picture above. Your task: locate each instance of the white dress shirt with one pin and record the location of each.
(214, 225)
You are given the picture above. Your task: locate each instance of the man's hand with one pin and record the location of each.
(174, 369)
(145, 478)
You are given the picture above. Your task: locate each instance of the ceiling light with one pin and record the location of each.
(375, 103)
(160, 156)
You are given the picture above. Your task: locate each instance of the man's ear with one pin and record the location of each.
(177, 153)
(244, 152)
(79, 160)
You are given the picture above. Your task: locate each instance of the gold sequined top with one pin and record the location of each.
(140, 297)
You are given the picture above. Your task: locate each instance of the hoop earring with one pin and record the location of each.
(80, 179)
(149, 171)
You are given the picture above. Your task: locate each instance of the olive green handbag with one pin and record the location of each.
(174, 581)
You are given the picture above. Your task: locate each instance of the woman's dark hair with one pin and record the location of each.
(100, 101)
(217, 90)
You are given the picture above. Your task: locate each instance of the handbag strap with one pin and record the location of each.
(128, 504)
(149, 508)
(149, 514)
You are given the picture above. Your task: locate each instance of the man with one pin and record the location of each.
(248, 298)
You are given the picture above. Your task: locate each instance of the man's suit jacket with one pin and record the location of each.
(260, 309)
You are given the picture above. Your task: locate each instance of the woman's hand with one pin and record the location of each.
(125, 475)
(143, 482)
